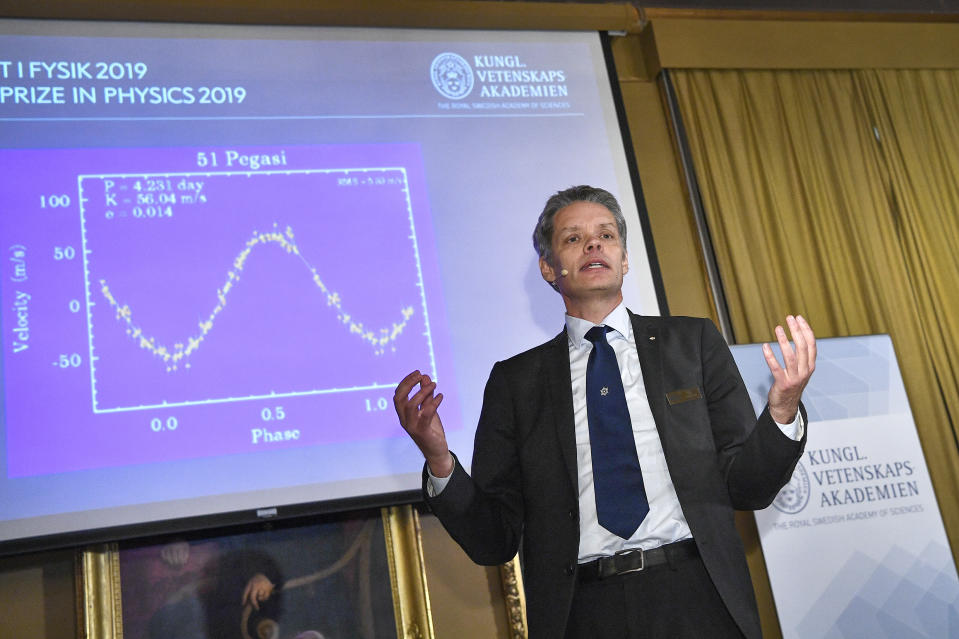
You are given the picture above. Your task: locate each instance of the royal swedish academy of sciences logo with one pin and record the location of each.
(452, 76)
(794, 495)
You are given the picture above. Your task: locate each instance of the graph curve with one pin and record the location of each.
(177, 355)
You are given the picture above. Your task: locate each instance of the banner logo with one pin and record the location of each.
(452, 76)
(795, 495)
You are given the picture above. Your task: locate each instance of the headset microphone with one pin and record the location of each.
(564, 272)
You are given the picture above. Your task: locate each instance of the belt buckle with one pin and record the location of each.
(642, 560)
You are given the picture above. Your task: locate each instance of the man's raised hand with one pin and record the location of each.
(791, 378)
(419, 417)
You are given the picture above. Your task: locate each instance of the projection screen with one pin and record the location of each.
(224, 246)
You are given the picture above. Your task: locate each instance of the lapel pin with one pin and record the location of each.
(652, 337)
(604, 391)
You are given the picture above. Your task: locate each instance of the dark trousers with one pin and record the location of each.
(669, 601)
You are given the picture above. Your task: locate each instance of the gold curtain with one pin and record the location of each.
(834, 194)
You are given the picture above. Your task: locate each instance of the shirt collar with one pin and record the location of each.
(618, 320)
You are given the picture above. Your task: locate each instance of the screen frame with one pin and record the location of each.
(289, 514)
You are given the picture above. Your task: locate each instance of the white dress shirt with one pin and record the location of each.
(665, 522)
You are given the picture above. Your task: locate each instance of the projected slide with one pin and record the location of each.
(194, 302)
(222, 246)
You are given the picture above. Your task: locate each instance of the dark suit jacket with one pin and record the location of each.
(524, 483)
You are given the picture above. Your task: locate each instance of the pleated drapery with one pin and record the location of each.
(835, 194)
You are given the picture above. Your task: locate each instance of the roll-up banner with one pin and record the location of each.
(854, 544)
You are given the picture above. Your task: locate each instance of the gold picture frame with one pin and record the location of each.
(101, 589)
(511, 577)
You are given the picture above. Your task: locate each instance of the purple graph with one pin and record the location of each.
(229, 285)
(237, 302)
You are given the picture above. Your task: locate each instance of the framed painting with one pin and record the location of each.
(514, 598)
(358, 576)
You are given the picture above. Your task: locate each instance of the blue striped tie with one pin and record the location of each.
(621, 503)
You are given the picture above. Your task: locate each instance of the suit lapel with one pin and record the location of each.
(648, 339)
(561, 401)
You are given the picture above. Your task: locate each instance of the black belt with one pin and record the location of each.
(636, 560)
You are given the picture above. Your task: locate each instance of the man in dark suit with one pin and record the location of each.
(617, 541)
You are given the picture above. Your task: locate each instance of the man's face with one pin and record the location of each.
(586, 243)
